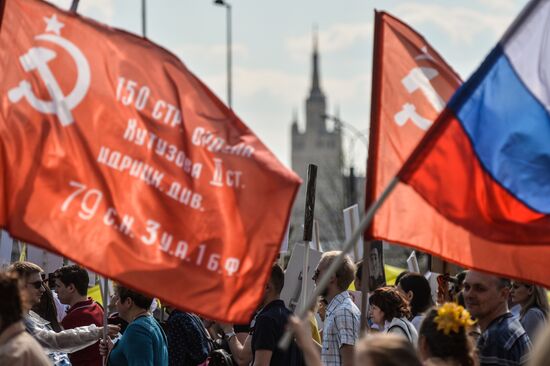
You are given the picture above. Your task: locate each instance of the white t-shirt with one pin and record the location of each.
(417, 321)
(59, 307)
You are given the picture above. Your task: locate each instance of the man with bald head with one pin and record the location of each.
(503, 340)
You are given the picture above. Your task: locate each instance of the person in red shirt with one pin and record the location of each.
(71, 285)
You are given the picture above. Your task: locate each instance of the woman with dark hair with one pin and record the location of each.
(443, 338)
(46, 308)
(17, 347)
(534, 307)
(400, 276)
(416, 289)
(390, 311)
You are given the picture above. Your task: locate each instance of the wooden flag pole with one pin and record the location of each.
(365, 287)
(310, 202)
(372, 158)
(348, 245)
(308, 228)
(105, 298)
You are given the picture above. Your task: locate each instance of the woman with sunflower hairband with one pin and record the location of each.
(443, 338)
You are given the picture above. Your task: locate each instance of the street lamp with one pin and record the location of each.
(228, 24)
(351, 189)
(143, 18)
(358, 134)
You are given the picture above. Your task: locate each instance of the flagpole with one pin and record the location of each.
(348, 245)
(308, 229)
(74, 6)
(105, 298)
(304, 276)
(365, 287)
(370, 189)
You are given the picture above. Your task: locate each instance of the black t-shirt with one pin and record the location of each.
(244, 328)
(268, 328)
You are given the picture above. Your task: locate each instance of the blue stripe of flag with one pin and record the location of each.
(509, 129)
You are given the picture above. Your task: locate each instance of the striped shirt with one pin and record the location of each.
(341, 327)
(504, 343)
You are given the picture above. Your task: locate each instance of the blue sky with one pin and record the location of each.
(272, 49)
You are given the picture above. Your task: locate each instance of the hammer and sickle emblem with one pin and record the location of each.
(419, 78)
(37, 58)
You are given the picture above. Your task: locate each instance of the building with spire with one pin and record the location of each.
(319, 145)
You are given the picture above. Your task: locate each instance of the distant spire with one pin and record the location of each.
(315, 35)
(315, 80)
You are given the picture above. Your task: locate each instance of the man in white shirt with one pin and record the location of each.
(342, 322)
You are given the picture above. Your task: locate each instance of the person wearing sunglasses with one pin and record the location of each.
(56, 345)
(534, 306)
(17, 347)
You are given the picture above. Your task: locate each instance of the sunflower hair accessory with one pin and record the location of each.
(452, 317)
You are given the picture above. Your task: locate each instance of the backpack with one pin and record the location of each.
(219, 357)
(400, 324)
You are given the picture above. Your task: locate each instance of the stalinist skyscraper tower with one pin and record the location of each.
(323, 147)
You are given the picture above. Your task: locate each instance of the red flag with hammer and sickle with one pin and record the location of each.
(411, 85)
(115, 155)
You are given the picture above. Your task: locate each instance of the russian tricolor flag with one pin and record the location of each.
(485, 163)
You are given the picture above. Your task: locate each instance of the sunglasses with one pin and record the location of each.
(37, 284)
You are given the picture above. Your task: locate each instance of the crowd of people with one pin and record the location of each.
(482, 320)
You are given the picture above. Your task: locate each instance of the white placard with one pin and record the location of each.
(291, 293)
(351, 222)
(432, 279)
(412, 263)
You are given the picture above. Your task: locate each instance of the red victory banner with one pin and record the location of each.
(115, 155)
(411, 85)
